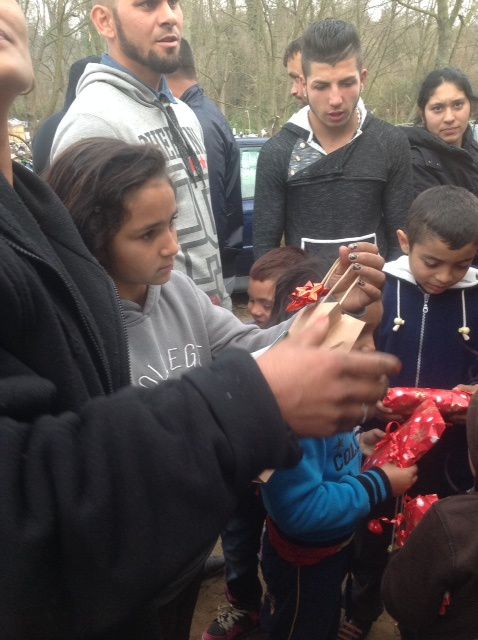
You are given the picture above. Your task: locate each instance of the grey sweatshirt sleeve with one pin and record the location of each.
(225, 330)
(398, 193)
(270, 197)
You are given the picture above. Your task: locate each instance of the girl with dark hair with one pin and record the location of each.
(442, 144)
(124, 206)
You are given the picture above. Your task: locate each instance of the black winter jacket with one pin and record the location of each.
(224, 167)
(361, 189)
(105, 500)
(436, 163)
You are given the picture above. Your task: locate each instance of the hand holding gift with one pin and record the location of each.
(411, 440)
(400, 479)
(404, 400)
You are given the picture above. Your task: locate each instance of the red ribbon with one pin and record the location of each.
(310, 293)
(405, 522)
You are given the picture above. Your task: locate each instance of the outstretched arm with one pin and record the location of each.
(103, 509)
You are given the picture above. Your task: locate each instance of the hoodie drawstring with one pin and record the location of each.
(190, 160)
(398, 321)
(464, 330)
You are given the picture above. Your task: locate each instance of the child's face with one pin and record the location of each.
(434, 265)
(261, 300)
(143, 250)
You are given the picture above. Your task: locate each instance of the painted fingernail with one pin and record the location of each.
(356, 266)
(353, 245)
(352, 256)
(361, 283)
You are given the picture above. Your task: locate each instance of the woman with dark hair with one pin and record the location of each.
(443, 148)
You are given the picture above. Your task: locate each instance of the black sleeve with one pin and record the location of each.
(225, 184)
(101, 510)
(269, 198)
(233, 204)
(398, 194)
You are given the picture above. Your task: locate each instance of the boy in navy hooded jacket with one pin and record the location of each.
(430, 318)
(430, 321)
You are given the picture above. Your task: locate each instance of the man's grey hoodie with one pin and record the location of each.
(113, 103)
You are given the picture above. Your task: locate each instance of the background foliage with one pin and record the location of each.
(239, 46)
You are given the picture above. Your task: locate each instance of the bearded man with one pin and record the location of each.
(127, 97)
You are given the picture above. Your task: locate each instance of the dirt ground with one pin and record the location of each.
(212, 590)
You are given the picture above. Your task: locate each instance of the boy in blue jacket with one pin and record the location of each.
(313, 511)
(430, 322)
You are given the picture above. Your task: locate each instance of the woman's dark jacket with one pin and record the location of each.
(437, 163)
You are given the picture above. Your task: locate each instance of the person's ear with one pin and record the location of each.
(102, 19)
(403, 241)
(363, 78)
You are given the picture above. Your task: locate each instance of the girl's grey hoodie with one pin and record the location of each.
(179, 328)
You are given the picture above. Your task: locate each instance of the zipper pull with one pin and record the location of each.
(425, 304)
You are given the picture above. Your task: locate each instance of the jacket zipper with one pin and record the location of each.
(426, 298)
(124, 331)
(84, 320)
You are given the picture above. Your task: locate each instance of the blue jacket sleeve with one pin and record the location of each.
(307, 504)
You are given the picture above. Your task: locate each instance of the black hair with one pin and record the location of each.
(437, 77)
(186, 66)
(297, 276)
(449, 212)
(292, 49)
(93, 178)
(76, 71)
(330, 41)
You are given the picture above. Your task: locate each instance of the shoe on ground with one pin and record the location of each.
(232, 624)
(213, 566)
(352, 630)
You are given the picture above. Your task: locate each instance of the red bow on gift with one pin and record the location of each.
(413, 511)
(411, 440)
(308, 294)
(403, 400)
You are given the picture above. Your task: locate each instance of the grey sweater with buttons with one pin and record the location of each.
(362, 190)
